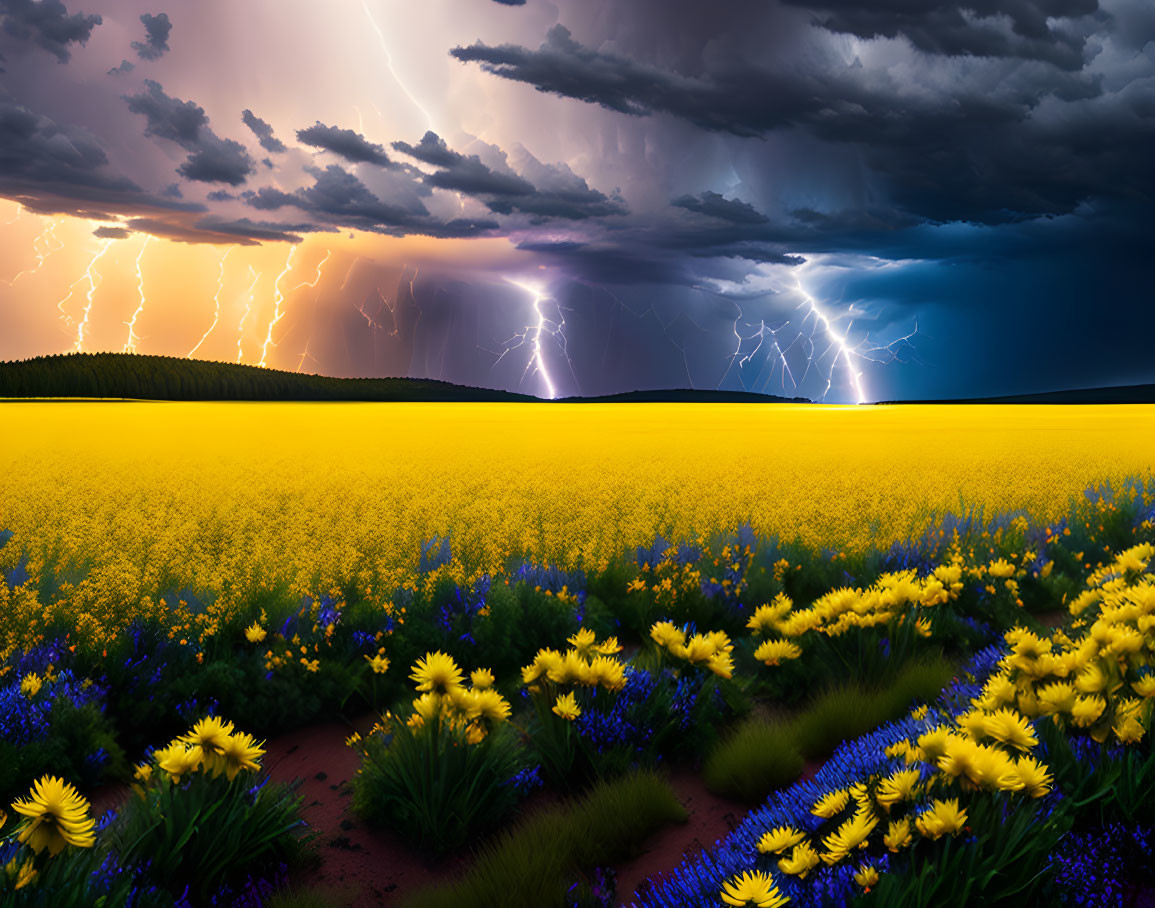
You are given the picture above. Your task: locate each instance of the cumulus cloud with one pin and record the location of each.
(155, 44)
(263, 131)
(125, 67)
(47, 24)
(561, 193)
(345, 143)
(211, 158)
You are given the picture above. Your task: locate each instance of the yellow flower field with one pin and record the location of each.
(223, 497)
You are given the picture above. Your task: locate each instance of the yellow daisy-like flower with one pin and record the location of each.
(482, 678)
(488, 704)
(867, 877)
(437, 672)
(900, 786)
(1087, 710)
(607, 672)
(1145, 686)
(1010, 728)
(667, 634)
(721, 664)
(941, 818)
(608, 647)
(583, 641)
(241, 752)
(378, 663)
(210, 735)
(1033, 775)
(57, 816)
(30, 685)
(178, 759)
(775, 652)
(801, 861)
(566, 706)
(778, 840)
(752, 888)
(898, 835)
(254, 633)
(545, 662)
(831, 803)
(850, 835)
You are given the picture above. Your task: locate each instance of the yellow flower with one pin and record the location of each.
(850, 835)
(1001, 568)
(241, 752)
(20, 876)
(1010, 728)
(775, 652)
(898, 835)
(378, 663)
(867, 877)
(31, 684)
(488, 704)
(608, 647)
(752, 888)
(607, 672)
(933, 743)
(801, 861)
(721, 664)
(941, 818)
(545, 662)
(209, 736)
(583, 641)
(566, 706)
(437, 672)
(1145, 686)
(1058, 697)
(178, 759)
(1087, 710)
(481, 678)
(1036, 781)
(254, 633)
(778, 840)
(899, 786)
(57, 816)
(831, 803)
(667, 634)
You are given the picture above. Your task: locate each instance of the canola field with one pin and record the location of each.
(223, 498)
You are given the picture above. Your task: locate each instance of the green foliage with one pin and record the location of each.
(204, 832)
(521, 620)
(761, 756)
(530, 866)
(433, 786)
(77, 878)
(1004, 860)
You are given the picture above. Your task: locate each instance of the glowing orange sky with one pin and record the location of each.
(45, 287)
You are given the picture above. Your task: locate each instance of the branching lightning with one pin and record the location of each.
(93, 279)
(43, 247)
(278, 299)
(254, 277)
(533, 334)
(216, 303)
(132, 340)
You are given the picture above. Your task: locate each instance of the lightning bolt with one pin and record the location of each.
(532, 334)
(216, 302)
(306, 354)
(389, 65)
(45, 238)
(91, 276)
(131, 341)
(248, 308)
(315, 280)
(278, 299)
(838, 341)
(16, 216)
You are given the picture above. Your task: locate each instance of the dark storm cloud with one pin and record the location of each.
(511, 2)
(562, 194)
(47, 24)
(125, 67)
(211, 158)
(339, 198)
(717, 206)
(263, 131)
(1028, 29)
(994, 147)
(220, 195)
(155, 45)
(112, 233)
(345, 143)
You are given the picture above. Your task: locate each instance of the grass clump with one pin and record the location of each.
(533, 864)
(761, 756)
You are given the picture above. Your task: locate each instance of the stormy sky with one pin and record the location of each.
(836, 199)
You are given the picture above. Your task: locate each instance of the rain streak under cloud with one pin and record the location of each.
(834, 199)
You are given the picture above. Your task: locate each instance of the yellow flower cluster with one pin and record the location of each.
(1099, 679)
(587, 663)
(212, 747)
(712, 650)
(90, 497)
(444, 699)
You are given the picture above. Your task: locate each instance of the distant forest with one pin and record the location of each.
(129, 375)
